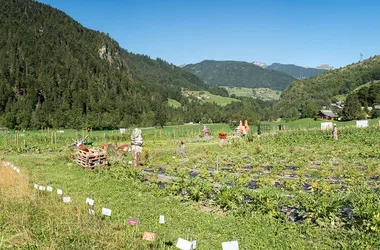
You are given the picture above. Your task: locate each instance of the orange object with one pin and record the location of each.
(149, 236)
(246, 126)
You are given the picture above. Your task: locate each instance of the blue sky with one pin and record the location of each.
(302, 32)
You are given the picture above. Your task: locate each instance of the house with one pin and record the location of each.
(336, 106)
(327, 115)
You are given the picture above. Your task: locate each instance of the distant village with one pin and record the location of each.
(331, 114)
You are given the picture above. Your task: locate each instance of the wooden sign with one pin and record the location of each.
(149, 236)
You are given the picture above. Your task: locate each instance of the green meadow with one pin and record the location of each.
(292, 189)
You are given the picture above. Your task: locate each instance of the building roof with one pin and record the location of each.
(329, 113)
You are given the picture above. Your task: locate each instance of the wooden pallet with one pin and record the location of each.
(92, 158)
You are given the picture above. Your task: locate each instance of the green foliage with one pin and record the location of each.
(322, 89)
(352, 108)
(56, 73)
(239, 74)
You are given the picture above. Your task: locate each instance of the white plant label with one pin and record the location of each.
(106, 211)
(194, 242)
(231, 245)
(162, 219)
(362, 123)
(59, 191)
(326, 125)
(66, 199)
(49, 188)
(89, 201)
(183, 244)
(42, 188)
(36, 186)
(91, 211)
(17, 170)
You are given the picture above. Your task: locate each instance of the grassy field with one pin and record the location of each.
(205, 96)
(258, 93)
(343, 97)
(294, 189)
(173, 103)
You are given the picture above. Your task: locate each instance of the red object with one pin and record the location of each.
(222, 136)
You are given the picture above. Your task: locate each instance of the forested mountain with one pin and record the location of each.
(296, 71)
(239, 74)
(56, 73)
(309, 95)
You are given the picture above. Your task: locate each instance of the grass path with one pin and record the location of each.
(58, 223)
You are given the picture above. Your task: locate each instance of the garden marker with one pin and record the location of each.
(194, 244)
(184, 244)
(66, 199)
(149, 236)
(42, 188)
(133, 222)
(36, 186)
(89, 201)
(231, 245)
(17, 170)
(106, 211)
(59, 191)
(49, 188)
(162, 219)
(91, 211)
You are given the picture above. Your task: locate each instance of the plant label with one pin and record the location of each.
(194, 244)
(162, 219)
(91, 211)
(66, 199)
(36, 186)
(106, 211)
(133, 222)
(89, 201)
(231, 245)
(17, 170)
(362, 123)
(149, 236)
(184, 244)
(49, 188)
(42, 188)
(59, 191)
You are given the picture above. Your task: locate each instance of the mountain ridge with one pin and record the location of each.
(239, 74)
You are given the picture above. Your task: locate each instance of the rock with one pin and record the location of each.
(253, 184)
